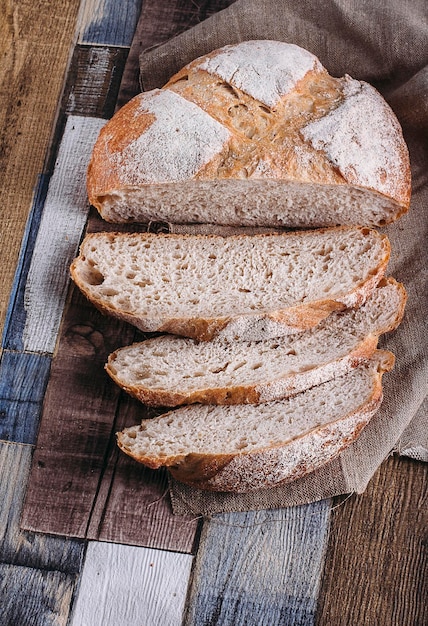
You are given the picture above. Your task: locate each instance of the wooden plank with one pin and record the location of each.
(133, 586)
(31, 597)
(60, 230)
(376, 567)
(34, 50)
(21, 548)
(79, 485)
(15, 318)
(260, 568)
(77, 423)
(23, 380)
(108, 22)
(116, 517)
(93, 81)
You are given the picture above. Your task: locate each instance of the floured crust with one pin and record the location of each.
(270, 466)
(255, 112)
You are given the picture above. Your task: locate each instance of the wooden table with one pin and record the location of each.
(112, 552)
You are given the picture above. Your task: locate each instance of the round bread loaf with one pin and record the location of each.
(256, 133)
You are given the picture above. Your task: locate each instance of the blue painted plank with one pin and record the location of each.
(260, 568)
(15, 316)
(23, 380)
(109, 22)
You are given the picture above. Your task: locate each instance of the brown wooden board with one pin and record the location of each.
(376, 568)
(93, 80)
(35, 42)
(79, 486)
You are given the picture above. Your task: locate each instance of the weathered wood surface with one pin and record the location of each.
(93, 81)
(376, 567)
(35, 44)
(38, 573)
(61, 226)
(15, 318)
(133, 586)
(35, 597)
(80, 485)
(23, 380)
(260, 568)
(108, 22)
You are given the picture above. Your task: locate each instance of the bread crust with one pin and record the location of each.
(277, 464)
(246, 133)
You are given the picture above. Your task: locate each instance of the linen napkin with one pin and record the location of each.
(386, 44)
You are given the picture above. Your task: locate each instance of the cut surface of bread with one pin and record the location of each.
(170, 371)
(256, 133)
(247, 287)
(245, 447)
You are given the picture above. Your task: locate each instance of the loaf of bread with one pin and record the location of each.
(256, 133)
(245, 447)
(239, 287)
(171, 371)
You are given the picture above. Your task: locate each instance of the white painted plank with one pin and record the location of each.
(130, 585)
(64, 217)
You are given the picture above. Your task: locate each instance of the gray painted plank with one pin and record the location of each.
(23, 548)
(108, 22)
(33, 597)
(23, 380)
(260, 568)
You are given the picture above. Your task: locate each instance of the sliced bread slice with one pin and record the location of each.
(246, 286)
(170, 371)
(245, 447)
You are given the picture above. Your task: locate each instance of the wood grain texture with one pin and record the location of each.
(15, 317)
(108, 22)
(23, 380)
(35, 44)
(33, 597)
(133, 503)
(80, 485)
(133, 586)
(259, 568)
(62, 222)
(19, 547)
(376, 567)
(93, 81)
(77, 423)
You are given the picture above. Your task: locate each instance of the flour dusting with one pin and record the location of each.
(265, 70)
(361, 138)
(181, 140)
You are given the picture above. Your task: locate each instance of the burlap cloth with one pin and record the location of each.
(384, 42)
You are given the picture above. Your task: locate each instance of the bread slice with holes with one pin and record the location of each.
(239, 287)
(253, 134)
(171, 371)
(245, 447)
